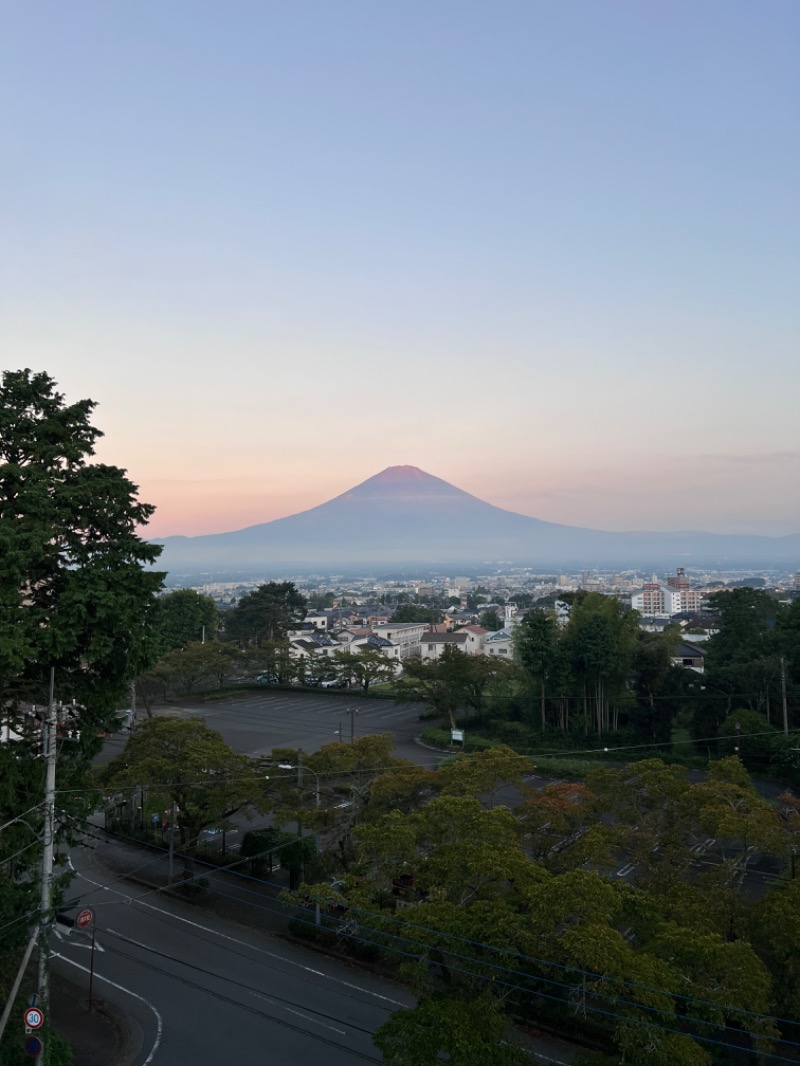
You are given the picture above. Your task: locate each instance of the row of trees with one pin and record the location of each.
(493, 912)
(199, 666)
(753, 662)
(599, 673)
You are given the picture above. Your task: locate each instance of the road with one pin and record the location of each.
(206, 991)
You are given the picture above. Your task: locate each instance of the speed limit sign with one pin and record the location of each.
(34, 1018)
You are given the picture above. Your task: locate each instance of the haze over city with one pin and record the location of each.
(546, 251)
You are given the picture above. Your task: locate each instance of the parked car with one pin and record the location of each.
(266, 679)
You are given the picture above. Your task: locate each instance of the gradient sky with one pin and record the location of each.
(548, 251)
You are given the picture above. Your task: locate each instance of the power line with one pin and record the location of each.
(466, 941)
(406, 764)
(559, 999)
(242, 1005)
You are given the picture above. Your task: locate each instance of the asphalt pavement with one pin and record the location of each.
(256, 721)
(205, 990)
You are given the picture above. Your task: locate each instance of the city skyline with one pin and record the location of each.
(545, 252)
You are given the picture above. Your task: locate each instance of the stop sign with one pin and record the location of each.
(86, 917)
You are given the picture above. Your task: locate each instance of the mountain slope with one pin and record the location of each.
(404, 516)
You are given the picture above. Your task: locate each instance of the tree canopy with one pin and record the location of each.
(363, 667)
(185, 617)
(266, 615)
(76, 597)
(75, 593)
(413, 612)
(205, 778)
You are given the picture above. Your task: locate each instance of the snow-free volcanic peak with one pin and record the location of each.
(406, 517)
(400, 482)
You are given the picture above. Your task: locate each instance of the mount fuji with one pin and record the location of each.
(405, 517)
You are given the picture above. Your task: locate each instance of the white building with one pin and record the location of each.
(432, 645)
(404, 638)
(661, 601)
(476, 638)
(500, 644)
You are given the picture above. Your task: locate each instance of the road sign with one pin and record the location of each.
(86, 917)
(33, 1047)
(34, 1018)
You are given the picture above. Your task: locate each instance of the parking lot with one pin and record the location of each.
(259, 720)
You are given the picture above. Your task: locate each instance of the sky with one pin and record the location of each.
(546, 251)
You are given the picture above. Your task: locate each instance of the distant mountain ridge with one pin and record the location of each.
(404, 516)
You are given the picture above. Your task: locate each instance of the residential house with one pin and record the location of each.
(691, 656)
(476, 638)
(432, 645)
(500, 644)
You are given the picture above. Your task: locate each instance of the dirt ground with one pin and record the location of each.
(100, 1038)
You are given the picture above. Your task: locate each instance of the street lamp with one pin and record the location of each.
(300, 769)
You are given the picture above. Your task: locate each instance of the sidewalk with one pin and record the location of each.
(233, 895)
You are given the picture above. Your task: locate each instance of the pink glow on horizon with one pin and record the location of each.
(601, 498)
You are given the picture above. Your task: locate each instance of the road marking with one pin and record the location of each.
(77, 943)
(128, 991)
(243, 943)
(623, 871)
(700, 849)
(258, 995)
(299, 1013)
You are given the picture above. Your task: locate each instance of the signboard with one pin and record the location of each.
(33, 1047)
(86, 917)
(457, 736)
(34, 1018)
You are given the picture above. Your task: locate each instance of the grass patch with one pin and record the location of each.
(573, 769)
(440, 738)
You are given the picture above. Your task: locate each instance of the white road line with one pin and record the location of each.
(128, 991)
(258, 995)
(77, 943)
(299, 1013)
(243, 943)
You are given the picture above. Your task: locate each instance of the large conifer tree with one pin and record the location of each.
(75, 597)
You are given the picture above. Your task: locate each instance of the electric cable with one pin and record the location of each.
(481, 945)
(248, 987)
(559, 999)
(344, 772)
(254, 1010)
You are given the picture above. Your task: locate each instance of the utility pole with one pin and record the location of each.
(299, 786)
(172, 811)
(352, 712)
(50, 731)
(783, 697)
